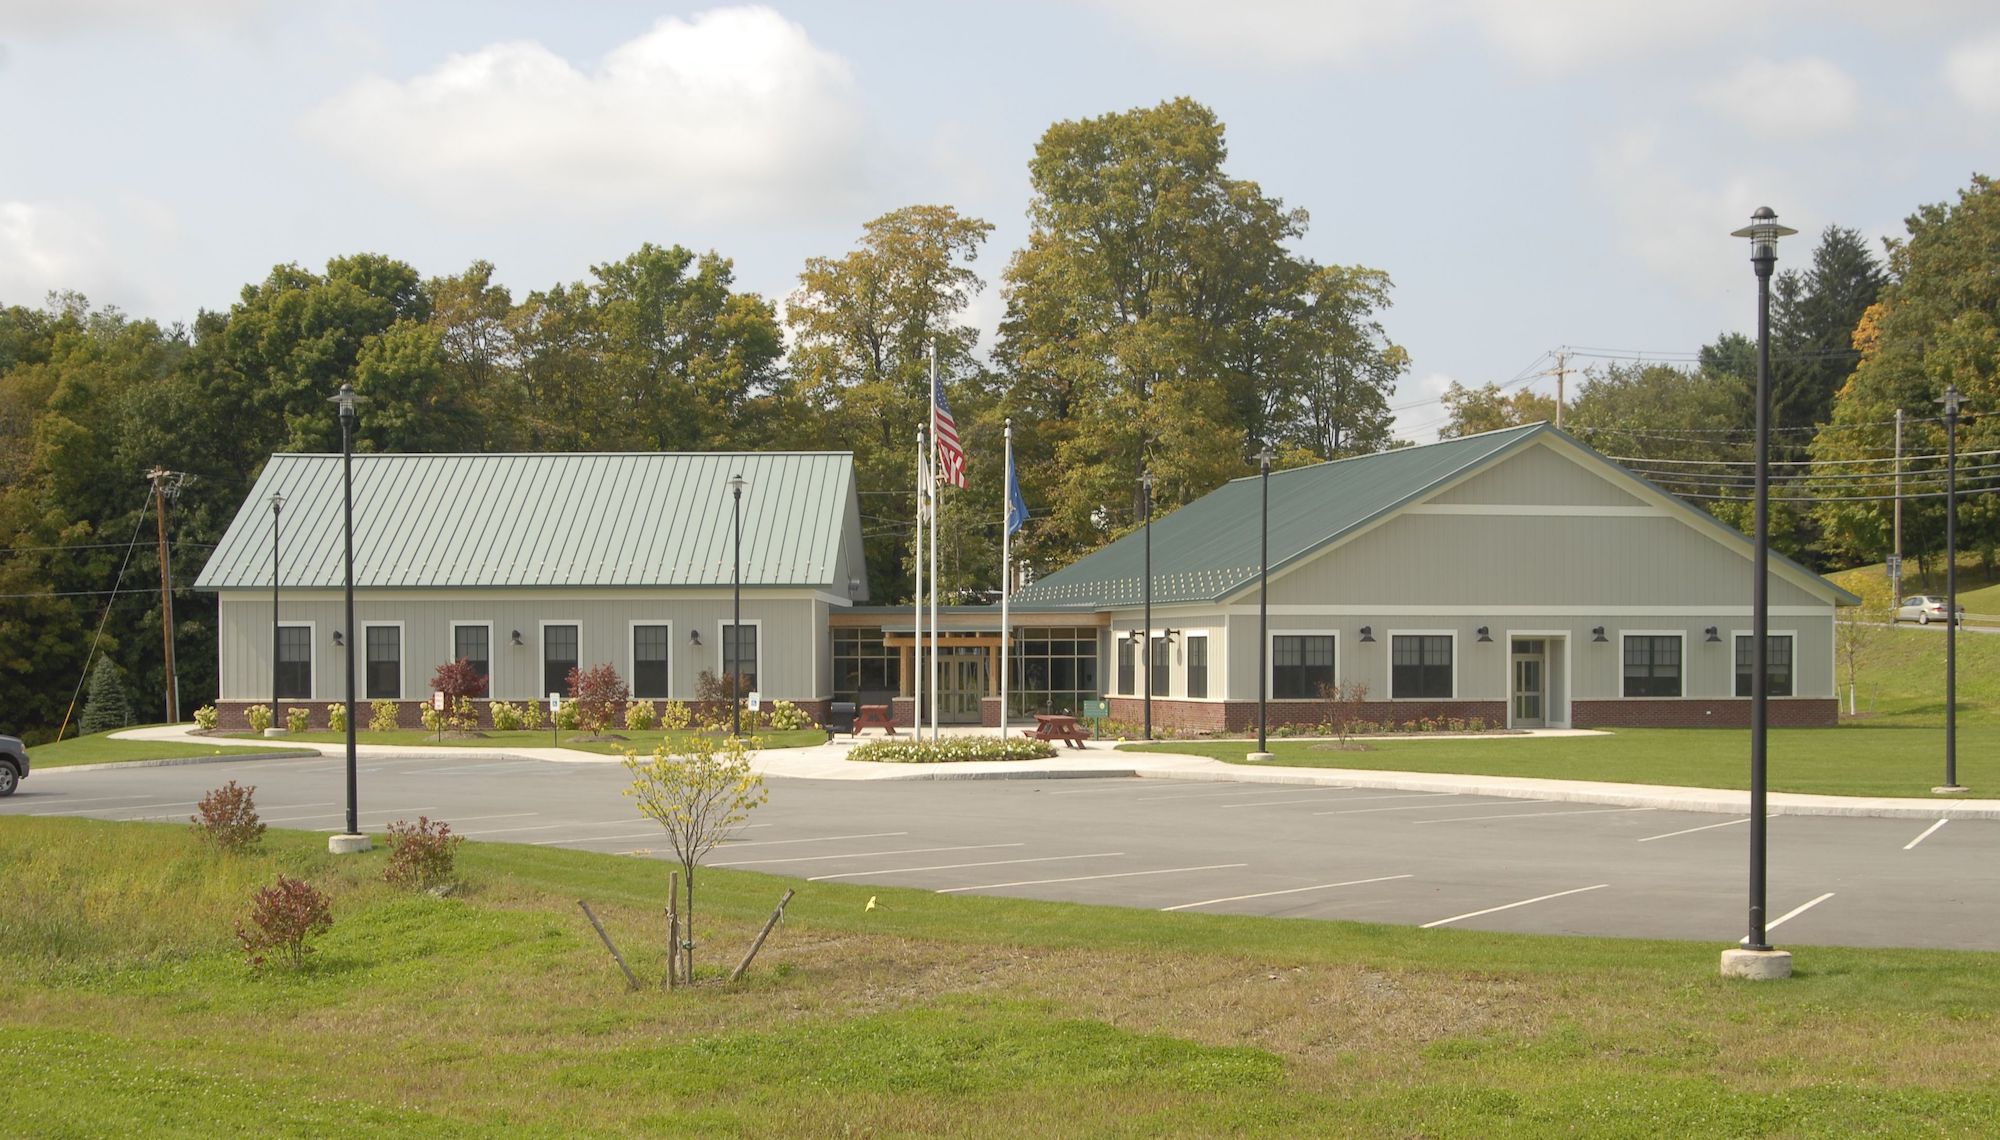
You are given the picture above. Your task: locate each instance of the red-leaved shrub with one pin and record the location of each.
(421, 853)
(227, 818)
(283, 916)
(599, 696)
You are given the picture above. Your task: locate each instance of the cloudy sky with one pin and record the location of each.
(1532, 173)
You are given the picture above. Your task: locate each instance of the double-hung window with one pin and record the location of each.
(1197, 666)
(1652, 665)
(1420, 665)
(473, 644)
(385, 662)
(1300, 664)
(650, 653)
(295, 674)
(1777, 664)
(740, 656)
(1159, 669)
(1127, 684)
(559, 656)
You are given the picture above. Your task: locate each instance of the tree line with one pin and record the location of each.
(1157, 320)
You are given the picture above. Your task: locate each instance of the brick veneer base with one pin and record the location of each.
(409, 714)
(1780, 712)
(1241, 716)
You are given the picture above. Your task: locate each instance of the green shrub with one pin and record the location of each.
(433, 719)
(788, 717)
(298, 718)
(258, 717)
(569, 716)
(206, 717)
(952, 750)
(226, 818)
(336, 717)
(381, 716)
(641, 716)
(676, 717)
(105, 708)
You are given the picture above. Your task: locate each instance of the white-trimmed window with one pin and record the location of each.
(652, 659)
(1300, 664)
(473, 641)
(1160, 666)
(382, 643)
(1128, 684)
(295, 661)
(1421, 665)
(740, 656)
(1652, 664)
(1197, 664)
(1777, 664)
(562, 651)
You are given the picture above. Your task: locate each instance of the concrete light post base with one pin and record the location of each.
(1950, 790)
(1757, 965)
(270, 732)
(348, 844)
(1259, 757)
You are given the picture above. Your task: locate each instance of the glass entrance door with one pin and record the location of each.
(1530, 693)
(961, 683)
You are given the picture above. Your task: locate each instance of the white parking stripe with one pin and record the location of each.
(1292, 891)
(818, 839)
(864, 854)
(127, 807)
(1124, 784)
(1204, 794)
(1926, 835)
(1788, 916)
(1423, 807)
(1087, 878)
(342, 813)
(1692, 830)
(1319, 799)
(1527, 815)
(1510, 906)
(958, 866)
(656, 832)
(509, 815)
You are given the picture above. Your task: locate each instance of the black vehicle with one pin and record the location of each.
(13, 764)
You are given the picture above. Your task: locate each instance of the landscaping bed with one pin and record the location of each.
(952, 750)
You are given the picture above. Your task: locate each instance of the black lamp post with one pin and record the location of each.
(1146, 622)
(1763, 232)
(1264, 459)
(730, 643)
(1950, 403)
(345, 400)
(277, 507)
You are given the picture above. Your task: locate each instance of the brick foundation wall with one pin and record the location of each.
(1782, 712)
(1241, 716)
(409, 714)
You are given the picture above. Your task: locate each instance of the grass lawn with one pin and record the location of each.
(99, 748)
(1895, 748)
(125, 1008)
(637, 741)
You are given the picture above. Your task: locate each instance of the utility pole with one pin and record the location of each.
(1896, 577)
(1561, 372)
(159, 477)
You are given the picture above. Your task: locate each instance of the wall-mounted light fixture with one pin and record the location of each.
(517, 637)
(1483, 635)
(1597, 633)
(337, 642)
(1367, 633)
(1712, 634)
(694, 638)
(1169, 634)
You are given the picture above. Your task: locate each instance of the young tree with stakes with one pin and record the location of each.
(699, 794)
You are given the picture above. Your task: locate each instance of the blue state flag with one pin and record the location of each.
(1017, 508)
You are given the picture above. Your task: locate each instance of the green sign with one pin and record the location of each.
(1096, 710)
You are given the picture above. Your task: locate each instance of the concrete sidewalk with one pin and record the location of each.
(1100, 759)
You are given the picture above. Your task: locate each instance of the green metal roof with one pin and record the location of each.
(575, 520)
(1207, 550)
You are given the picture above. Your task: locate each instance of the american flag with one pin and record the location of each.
(950, 453)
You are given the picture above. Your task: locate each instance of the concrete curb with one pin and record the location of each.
(176, 761)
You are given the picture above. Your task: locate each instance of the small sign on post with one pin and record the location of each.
(555, 706)
(437, 705)
(756, 700)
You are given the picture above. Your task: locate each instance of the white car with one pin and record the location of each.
(1924, 609)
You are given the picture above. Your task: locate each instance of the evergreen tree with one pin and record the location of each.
(105, 707)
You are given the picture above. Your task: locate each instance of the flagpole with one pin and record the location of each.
(1006, 569)
(917, 594)
(932, 484)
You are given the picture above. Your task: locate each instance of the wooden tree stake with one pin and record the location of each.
(615, 955)
(761, 936)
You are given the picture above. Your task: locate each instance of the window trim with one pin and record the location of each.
(402, 659)
(451, 647)
(1161, 637)
(1769, 633)
(1125, 681)
(312, 660)
(1393, 634)
(542, 651)
(1187, 664)
(721, 645)
(1680, 635)
(1271, 658)
(632, 657)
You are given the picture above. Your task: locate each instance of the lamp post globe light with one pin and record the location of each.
(729, 644)
(277, 508)
(352, 840)
(1146, 621)
(1756, 958)
(1264, 459)
(1951, 786)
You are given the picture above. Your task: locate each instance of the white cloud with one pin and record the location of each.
(46, 247)
(1674, 224)
(1973, 72)
(1278, 31)
(1801, 96)
(1419, 415)
(1572, 33)
(734, 113)
(61, 17)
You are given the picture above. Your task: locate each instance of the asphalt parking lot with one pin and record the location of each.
(1423, 859)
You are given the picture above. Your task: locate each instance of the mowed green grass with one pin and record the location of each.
(125, 1008)
(1894, 748)
(99, 748)
(489, 738)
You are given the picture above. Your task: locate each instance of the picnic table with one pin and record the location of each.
(1061, 726)
(873, 716)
